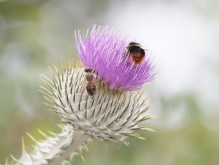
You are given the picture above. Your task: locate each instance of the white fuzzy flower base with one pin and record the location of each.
(109, 115)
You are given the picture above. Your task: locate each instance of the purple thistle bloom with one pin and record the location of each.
(105, 51)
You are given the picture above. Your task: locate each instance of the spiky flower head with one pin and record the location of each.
(104, 50)
(110, 115)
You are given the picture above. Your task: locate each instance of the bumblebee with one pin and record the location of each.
(135, 52)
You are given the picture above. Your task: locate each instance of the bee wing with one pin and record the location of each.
(83, 86)
(96, 83)
(125, 56)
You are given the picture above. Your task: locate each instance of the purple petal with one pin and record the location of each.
(104, 51)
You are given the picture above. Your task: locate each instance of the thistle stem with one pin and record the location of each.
(78, 140)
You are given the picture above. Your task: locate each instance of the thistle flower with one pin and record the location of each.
(104, 50)
(114, 113)
(111, 115)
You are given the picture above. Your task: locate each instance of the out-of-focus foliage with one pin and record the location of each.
(35, 34)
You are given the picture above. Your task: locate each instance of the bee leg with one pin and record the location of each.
(126, 54)
(134, 67)
(82, 89)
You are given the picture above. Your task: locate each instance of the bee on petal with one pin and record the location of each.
(123, 67)
(135, 52)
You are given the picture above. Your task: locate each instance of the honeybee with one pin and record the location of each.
(135, 52)
(90, 81)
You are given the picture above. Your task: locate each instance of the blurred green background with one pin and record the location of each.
(182, 37)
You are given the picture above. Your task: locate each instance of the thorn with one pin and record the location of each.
(85, 146)
(15, 159)
(151, 105)
(149, 129)
(47, 104)
(140, 137)
(23, 145)
(52, 133)
(41, 132)
(60, 126)
(50, 69)
(41, 76)
(126, 143)
(119, 146)
(6, 161)
(82, 157)
(31, 137)
(57, 70)
(153, 116)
